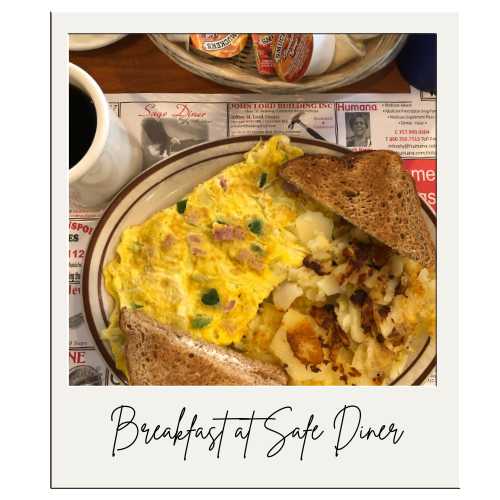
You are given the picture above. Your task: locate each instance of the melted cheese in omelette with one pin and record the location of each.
(243, 262)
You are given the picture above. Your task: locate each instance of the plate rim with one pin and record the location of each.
(113, 38)
(155, 168)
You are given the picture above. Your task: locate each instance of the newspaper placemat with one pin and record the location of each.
(165, 124)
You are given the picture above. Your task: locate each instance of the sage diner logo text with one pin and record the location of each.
(346, 426)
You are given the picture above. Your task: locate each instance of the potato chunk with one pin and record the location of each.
(305, 344)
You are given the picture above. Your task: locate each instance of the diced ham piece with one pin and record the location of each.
(168, 242)
(239, 233)
(229, 306)
(194, 238)
(250, 259)
(192, 217)
(223, 183)
(194, 242)
(197, 251)
(226, 232)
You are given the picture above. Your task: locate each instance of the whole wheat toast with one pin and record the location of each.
(160, 355)
(372, 191)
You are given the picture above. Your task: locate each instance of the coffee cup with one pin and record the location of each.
(113, 156)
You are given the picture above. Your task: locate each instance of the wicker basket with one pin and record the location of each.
(240, 71)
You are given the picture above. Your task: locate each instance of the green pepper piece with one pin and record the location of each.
(210, 297)
(181, 206)
(200, 321)
(255, 226)
(262, 179)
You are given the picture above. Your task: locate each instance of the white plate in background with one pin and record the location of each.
(91, 41)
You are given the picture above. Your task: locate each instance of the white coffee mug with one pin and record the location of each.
(114, 157)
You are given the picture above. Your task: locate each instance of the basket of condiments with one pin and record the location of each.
(282, 63)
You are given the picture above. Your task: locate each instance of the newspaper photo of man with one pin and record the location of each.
(358, 130)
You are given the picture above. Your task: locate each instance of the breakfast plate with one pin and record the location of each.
(164, 184)
(91, 41)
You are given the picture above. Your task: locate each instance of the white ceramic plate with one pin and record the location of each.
(164, 184)
(91, 41)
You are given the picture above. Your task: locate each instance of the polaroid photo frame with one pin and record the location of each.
(258, 437)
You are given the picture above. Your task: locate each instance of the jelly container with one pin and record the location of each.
(297, 55)
(222, 45)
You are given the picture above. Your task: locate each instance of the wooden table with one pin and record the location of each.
(134, 64)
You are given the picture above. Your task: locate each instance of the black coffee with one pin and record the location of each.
(82, 124)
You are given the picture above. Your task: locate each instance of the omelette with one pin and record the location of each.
(243, 261)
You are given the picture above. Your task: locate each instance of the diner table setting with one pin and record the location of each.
(154, 116)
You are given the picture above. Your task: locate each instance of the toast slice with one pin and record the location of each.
(372, 191)
(157, 354)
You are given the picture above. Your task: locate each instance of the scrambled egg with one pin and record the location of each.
(243, 261)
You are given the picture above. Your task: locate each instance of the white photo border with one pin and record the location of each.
(426, 458)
